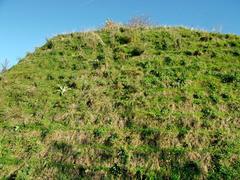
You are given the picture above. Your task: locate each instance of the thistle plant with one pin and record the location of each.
(62, 90)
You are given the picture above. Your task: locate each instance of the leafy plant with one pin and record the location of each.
(62, 90)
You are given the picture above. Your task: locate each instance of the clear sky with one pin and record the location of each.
(25, 24)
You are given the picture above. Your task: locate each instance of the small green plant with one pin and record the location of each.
(49, 45)
(62, 90)
(110, 140)
(115, 170)
(122, 154)
(123, 39)
(208, 113)
(168, 61)
(136, 51)
(191, 170)
(228, 78)
(97, 133)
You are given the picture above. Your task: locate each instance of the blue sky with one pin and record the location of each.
(25, 24)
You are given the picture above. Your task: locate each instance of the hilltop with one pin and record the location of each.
(129, 102)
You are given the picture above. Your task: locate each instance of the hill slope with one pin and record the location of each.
(124, 102)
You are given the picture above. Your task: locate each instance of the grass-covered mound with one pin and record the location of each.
(124, 102)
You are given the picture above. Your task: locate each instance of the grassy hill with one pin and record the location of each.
(124, 102)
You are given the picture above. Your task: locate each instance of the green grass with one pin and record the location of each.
(124, 102)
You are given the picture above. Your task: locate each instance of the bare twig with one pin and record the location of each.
(4, 65)
(139, 21)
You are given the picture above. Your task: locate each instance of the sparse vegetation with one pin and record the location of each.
(5, 66)
(139, 21)
(124, 102)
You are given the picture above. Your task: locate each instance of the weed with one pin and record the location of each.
(191, 169)
(115, 170)
(208, 113)
(5, 66)
(136, 51)
(228, 78)
(110, 140)
(123, 39)
(48, 45)
(62, 90)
